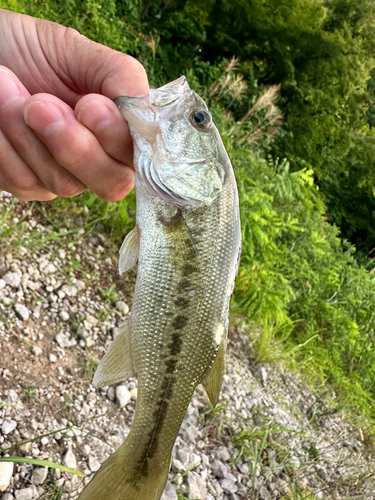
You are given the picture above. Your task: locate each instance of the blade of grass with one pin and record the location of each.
(43, 463)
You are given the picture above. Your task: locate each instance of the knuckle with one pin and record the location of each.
(76, 155)
(117, 191)
(28, 184)
(66, 188)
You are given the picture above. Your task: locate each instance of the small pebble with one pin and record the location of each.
(8, 427)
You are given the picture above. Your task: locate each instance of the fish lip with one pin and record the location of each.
(124, 100)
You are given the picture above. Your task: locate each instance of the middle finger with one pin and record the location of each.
(28, 146)
(76, 148)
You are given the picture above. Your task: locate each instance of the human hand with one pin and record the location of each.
(60, 131)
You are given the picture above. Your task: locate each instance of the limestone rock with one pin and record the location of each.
(6, 471)
(197, 486)
(39, 475)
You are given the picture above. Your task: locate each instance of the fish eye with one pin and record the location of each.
(200, 118)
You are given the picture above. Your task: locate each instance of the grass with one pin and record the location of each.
(41, 463)
(52, 492)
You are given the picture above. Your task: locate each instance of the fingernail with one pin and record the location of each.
(95, 115)
(9, 90)
(44, 117)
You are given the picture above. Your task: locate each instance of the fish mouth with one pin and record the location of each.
(135, 108)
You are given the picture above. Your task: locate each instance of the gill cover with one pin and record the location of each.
(175, 146)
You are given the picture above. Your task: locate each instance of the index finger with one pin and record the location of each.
(88, 67)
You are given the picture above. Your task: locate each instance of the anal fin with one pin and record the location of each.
(212, 382)
(129, 251)
(116, 364)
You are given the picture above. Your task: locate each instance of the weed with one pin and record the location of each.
(89, 367)
(110, 295)
(29, 391)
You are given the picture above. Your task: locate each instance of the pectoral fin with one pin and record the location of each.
(117, 364)
(212, 382)
(129, 251)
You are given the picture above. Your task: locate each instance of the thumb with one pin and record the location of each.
(88, 67)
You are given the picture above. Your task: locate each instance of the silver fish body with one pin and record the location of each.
(187, 240)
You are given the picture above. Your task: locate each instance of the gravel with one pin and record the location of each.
(22, 311)
(8, 426)
(69, 459)
(123, 395)
(39, 475)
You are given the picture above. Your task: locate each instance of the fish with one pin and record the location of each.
(187, 241)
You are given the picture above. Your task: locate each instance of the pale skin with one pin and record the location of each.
(60, 131)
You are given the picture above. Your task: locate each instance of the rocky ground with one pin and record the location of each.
(61, 304)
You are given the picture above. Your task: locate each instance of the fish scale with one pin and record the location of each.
(187, 240)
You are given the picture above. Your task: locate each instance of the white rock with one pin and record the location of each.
(223, 454)
(111, 393)
(64, 315)
(123, 395)
(79, 284)
(197, 487)
(36, 312)
(52, 358)
(8, 427)
(22, 311)
(219, 469)
(6, 471)
(12, 396)
(177, 465)
(2, 284)
(243, 468)
(60, 482)
(69, 290)
(69, 459)
(122, 307)
(39, 475)
(12, 279)
(86, 450)
(7, 496)
(27, 493)
(49, 269)
(37, 350)
(25, 448)
(188, 432)
(228, 485)
(62, 340)
(94, 464)
(169, 492)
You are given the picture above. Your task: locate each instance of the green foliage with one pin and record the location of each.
(296, 278)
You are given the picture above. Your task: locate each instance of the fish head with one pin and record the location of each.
(177, 149)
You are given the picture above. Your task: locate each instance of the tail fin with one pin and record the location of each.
(117, 479)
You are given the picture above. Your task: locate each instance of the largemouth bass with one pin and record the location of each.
(187, 241)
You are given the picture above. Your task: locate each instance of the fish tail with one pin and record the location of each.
(121, 478)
